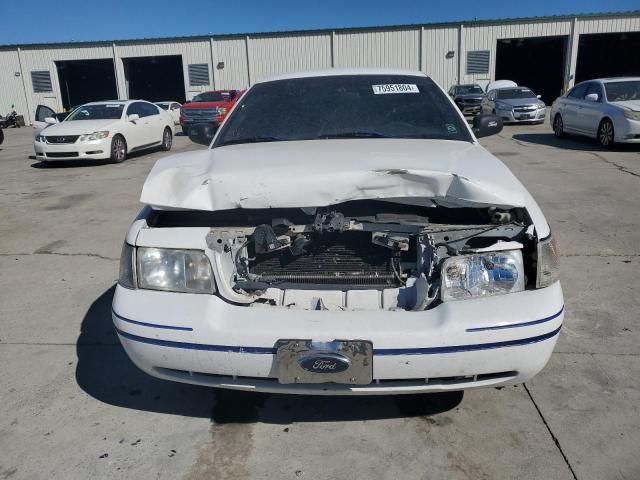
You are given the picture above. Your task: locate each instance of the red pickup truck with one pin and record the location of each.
(208, 107)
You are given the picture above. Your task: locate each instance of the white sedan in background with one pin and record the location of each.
(105, 130)
(607, 109)
(173, 108)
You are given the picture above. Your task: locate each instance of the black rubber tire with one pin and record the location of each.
(606, 134)
(167, 140)
(185, 130)
(558, 126)
(118, 149)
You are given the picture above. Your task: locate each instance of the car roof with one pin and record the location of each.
(613, 79)
(334, 72)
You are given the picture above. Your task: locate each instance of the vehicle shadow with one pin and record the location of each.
(105, 373)
(570, 142)
(84, 163)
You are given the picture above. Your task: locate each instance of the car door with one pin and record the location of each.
(488, 102)
(572, 105)
(590, 112)
(175, 112)
(42, 112)
(134, 131)
(154, 122)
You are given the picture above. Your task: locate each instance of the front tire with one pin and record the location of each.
(118, 149)
(606, 133)
(558, 126)
(167, 140)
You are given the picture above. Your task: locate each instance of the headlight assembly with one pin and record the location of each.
(631, 115)
(548, 267)
(187, 271)
(127, 276)
(94, 136)
(41, 139)
(483, 275)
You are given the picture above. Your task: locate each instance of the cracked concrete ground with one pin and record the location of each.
(72, 406)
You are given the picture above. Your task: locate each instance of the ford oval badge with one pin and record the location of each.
(324, 363)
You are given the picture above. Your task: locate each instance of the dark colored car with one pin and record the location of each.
(467, 98)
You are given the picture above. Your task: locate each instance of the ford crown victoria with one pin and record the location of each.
(344, 233)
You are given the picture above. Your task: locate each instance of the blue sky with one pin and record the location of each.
(36, 21)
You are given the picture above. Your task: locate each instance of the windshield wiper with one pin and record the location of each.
(257, 139)
(353, 135)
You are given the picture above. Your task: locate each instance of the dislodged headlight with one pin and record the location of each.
(484, 275)
(632, 115)
(548, 263)
(187, 271)
(94, 136)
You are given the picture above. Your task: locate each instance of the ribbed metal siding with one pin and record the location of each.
(436, 42)
(233, 53)
(484, 37)
(34, 59)
(289, 53)
(191, 52)
(12, 92)
(391, 49)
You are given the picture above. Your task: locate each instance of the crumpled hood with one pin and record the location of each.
(79, 127)
(317, 173)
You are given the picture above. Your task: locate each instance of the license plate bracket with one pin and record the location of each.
(347, 362)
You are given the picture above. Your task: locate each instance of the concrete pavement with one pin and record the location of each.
(73, 406)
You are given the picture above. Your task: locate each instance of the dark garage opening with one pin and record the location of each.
(537, 63)
(155, 78)
(83, 81)
(608, 55)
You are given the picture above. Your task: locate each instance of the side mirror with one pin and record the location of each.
(538, 97)
(202, 133)
(50, 121)
(485, 125)
(592, 97)
(133, 117)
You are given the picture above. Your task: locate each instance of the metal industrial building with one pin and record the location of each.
(548, 54)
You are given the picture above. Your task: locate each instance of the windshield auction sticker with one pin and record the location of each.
(395, 88)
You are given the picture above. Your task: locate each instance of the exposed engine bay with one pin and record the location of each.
(363, 255)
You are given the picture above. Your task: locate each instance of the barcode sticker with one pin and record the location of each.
(395, 88)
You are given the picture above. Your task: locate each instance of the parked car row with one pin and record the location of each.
(606, 109)
(504, 98)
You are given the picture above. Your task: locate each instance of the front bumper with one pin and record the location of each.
(91, 150)
(533, 116)
(627, 131)
(469, 109)
(202, 339)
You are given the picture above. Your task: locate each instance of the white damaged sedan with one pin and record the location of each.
(345, 233)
